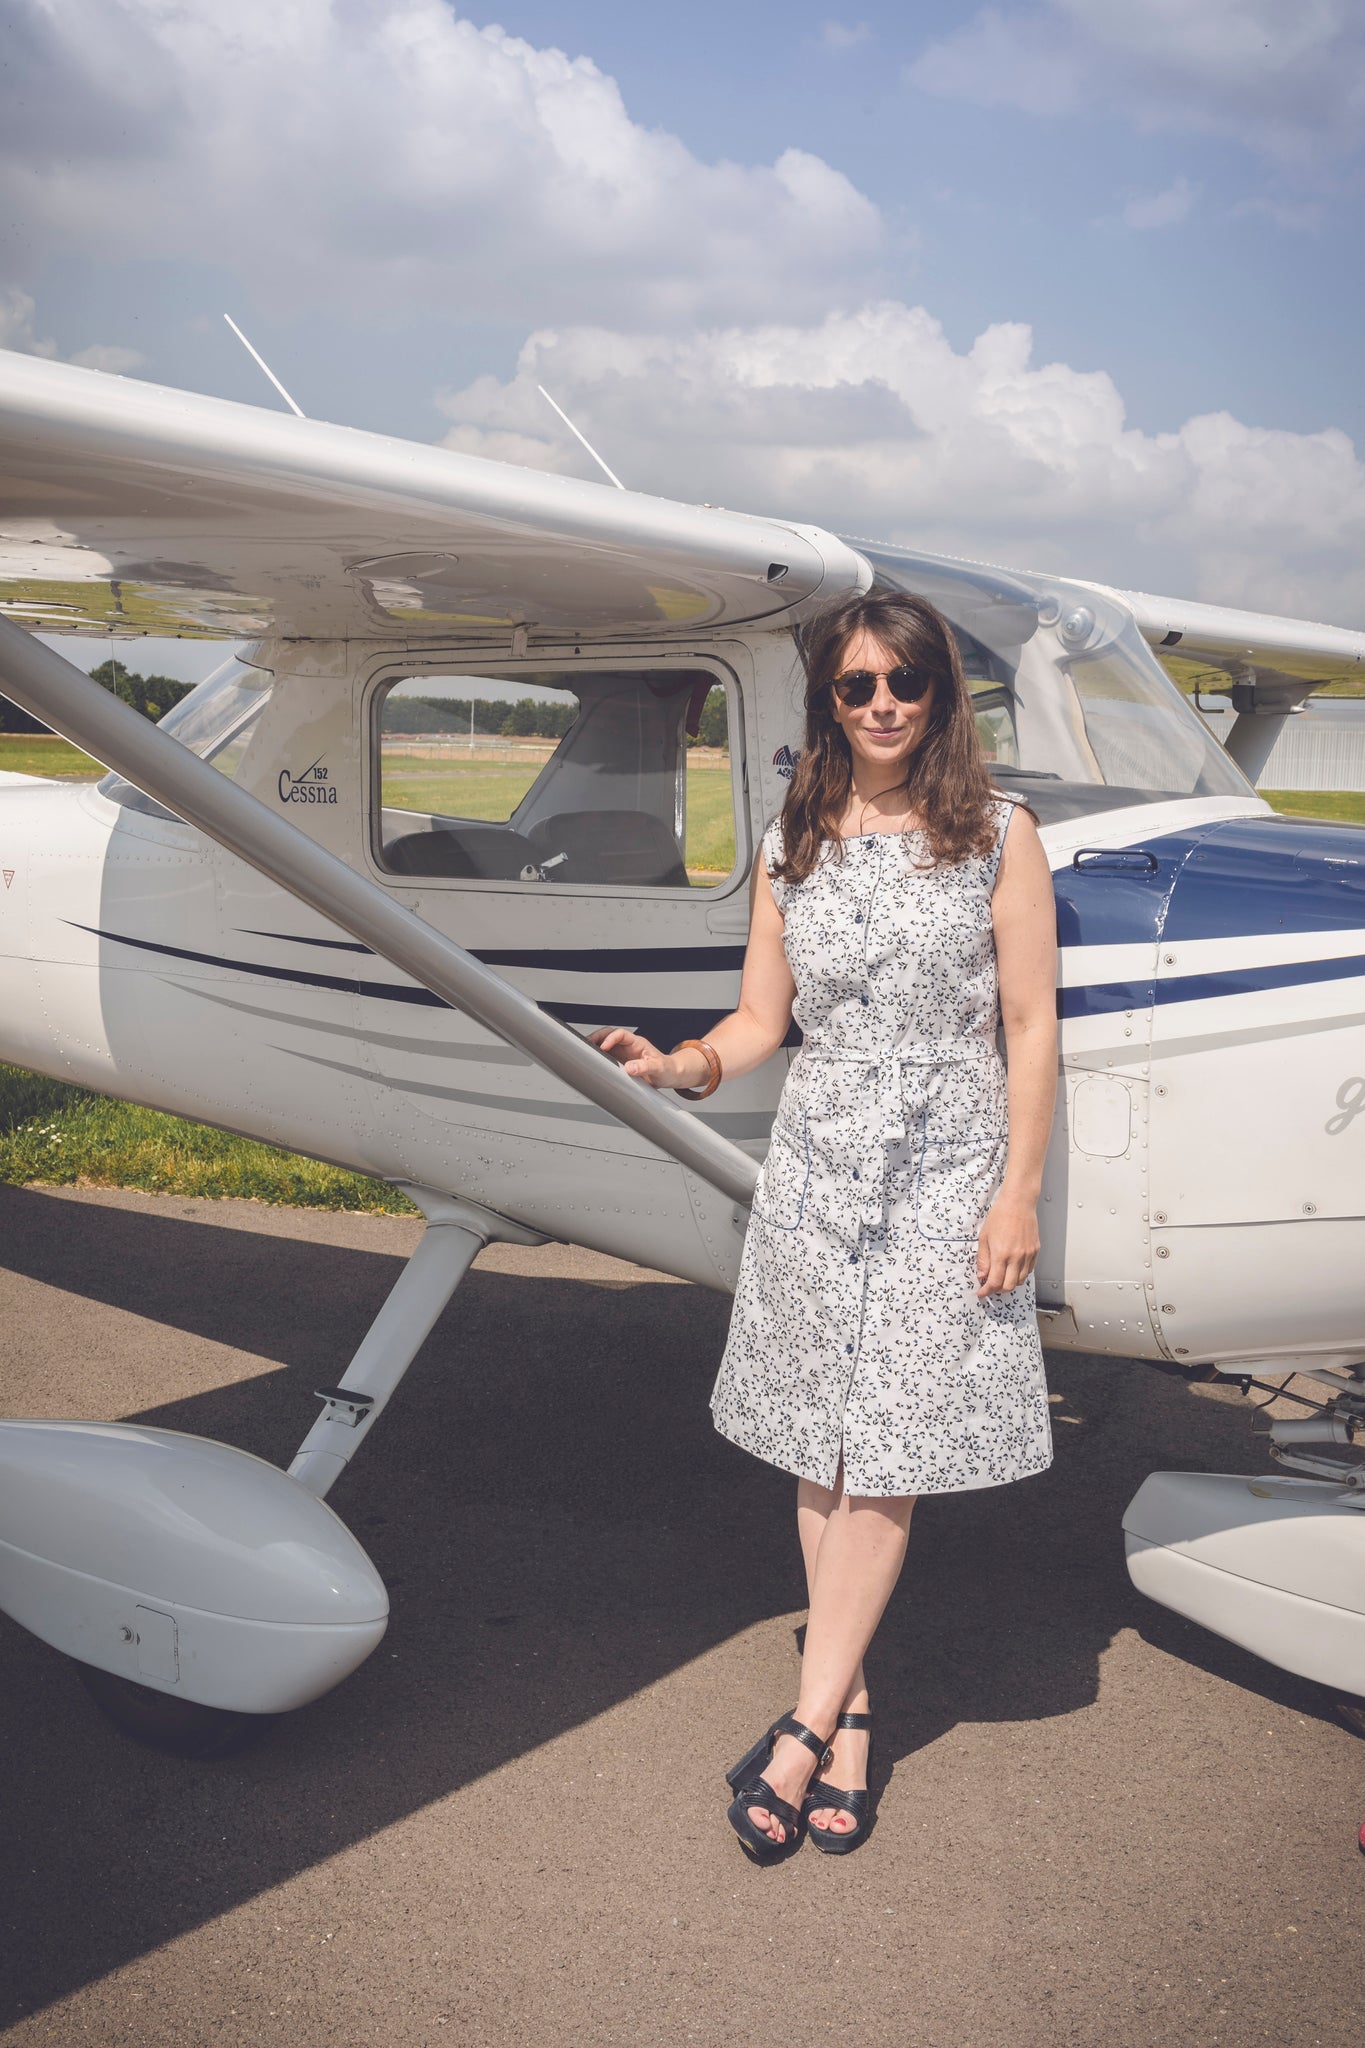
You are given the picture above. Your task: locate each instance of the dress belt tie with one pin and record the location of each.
(892, 1115)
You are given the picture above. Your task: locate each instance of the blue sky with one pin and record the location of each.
(1063, 282)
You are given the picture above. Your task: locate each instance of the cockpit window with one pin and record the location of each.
(215, 721)
(618, 778)
(1073, 708)
(1141, 729)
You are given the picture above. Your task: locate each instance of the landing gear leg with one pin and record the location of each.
(456, 1232)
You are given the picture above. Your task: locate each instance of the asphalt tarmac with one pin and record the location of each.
(1098, 1824)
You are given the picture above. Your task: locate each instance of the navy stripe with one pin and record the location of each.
(1103, 997)
(344, 984)
(583, 960)
(662, 1026)
(1098, 998)
(625, 960)
(298, 939)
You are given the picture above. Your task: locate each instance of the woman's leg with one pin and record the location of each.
(854, 1547)
(814, 1505)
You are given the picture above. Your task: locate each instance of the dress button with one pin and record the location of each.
(848, 1350)
(858, 917)
(863, 1000)
(853, 1258)
(856, 1174)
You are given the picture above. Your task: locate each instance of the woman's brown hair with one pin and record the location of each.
(946, 783)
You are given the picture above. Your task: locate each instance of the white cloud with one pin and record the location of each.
(17, 330)
(871, 423)
(844, 35)
(1288, 80)
(1161, 209)
(392, 158)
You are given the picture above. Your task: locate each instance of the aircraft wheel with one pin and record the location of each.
(179, 1727)
(1350, 1711)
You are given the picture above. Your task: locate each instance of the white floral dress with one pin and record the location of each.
(857, 1330)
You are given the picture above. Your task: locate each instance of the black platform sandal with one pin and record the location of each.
(751, 1788)
(840, 1841)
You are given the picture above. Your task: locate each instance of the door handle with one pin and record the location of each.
(1113, 860)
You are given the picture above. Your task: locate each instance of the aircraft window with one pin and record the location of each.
(215, 721)
(614, 777)
(994, 709)
(1141, 729)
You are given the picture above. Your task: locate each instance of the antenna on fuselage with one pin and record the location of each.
(573, 430)
(258, 358)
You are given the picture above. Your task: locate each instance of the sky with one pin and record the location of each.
(1067, 284)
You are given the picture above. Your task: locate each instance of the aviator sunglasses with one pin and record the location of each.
(859, 686)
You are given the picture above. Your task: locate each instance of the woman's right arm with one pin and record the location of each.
(750, 1034)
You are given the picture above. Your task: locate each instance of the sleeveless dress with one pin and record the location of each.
(857, 1330)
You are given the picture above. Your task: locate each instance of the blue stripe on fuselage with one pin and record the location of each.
(1098, 998)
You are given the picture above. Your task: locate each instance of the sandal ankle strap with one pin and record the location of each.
(816, 1744)
(855, 1721)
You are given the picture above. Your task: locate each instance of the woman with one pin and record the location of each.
(883, 1342)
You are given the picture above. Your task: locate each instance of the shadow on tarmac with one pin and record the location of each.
(558, 1526)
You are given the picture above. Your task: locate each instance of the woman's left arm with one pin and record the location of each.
(1024, 914)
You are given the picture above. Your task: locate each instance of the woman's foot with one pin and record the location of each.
(789, 1774)
(848, 1771)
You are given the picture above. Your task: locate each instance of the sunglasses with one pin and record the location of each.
(859, 686)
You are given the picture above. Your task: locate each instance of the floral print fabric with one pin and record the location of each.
(857, 1330)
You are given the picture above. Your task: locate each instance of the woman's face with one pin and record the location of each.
(884, 733)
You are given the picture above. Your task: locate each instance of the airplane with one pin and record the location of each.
(274, 915)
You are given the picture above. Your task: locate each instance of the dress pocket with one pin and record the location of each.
(961, 1151)
(780, 1196)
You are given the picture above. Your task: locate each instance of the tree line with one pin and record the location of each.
(153, 696)
(526, 718)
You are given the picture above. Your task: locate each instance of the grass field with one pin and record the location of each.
(39, 753)
(1344, 806)
(64, 1137)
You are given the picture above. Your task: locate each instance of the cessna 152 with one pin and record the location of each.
(259, 919)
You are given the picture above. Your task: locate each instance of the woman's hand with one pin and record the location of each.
(646, 1063)
(1007, 1247)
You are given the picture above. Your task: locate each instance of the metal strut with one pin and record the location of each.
(455, 1234)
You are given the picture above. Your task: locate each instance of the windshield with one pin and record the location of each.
(215, 721)
(1073, 708)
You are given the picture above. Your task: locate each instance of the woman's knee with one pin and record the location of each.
(895, 1508)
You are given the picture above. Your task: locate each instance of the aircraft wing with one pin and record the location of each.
(131, 508)
(1212, 644)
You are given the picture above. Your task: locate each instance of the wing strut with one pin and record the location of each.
(48, 685)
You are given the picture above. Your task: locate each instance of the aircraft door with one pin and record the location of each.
(1096, 1253)
(576, 823)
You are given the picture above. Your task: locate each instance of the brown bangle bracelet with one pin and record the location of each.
(712, 1058)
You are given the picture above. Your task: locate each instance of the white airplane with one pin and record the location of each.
(253, 922)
